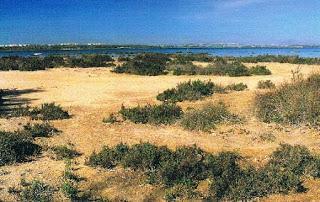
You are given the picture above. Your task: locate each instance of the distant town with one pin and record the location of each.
(79, 46)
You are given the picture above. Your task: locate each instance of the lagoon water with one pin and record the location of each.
(302, 52)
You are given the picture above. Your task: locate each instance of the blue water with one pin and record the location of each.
(302, 52)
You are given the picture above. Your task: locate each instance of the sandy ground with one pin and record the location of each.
(92, 94)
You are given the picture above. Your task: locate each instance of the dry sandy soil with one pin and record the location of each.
(92, 94)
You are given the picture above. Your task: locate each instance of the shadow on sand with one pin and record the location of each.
(10, 99)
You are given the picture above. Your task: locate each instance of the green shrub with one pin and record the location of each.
(64, 152)
(187, 68)
(153, 114)
(68, 173)
(123, 58)
(184, 166)
(267, 84)
(260, 70)
(40, 130)
(279, 58)
(231, 177)
(70, 190)
(16, 147)
(185, 58)
(49, 111)
(37, 192)
(293, 103)
(292, 158)
(237, 69)
(236, 87)
(151, 64)
(207, 117)
(144, 156)
(233, 69)
(52, 61)
(106, 158)
(219, 67)
(191, 90)
(20, 111)
(90, 60)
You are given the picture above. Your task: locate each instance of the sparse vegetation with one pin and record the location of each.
(64, 152)
(236, 87)
(69, 185)
(292, 103)
(69, 190)
(37, 191)
(207, 117)
(267, 84)
(231, 178)
(153, 114)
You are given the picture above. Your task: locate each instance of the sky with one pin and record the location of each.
(160, 21)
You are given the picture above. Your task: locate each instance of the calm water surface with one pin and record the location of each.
(303, 52)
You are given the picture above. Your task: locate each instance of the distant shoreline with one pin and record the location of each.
(309, 51)
(74, 47)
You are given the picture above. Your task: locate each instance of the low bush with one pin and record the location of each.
(16, 147)
(233, 69)
(231, 177)
(108, 157)
(260, 70)
(236, 87)
(49, 111)
(219, 67)
(90, 60)
(37, 191)
(191, 90)
(292, 103)
(153, 114)
(267, 84)
(53, 61)
(123, 58)
(151, 64)
(185, 58)
(280, 59)
(64, 152)
(207, 117)
(69, 186)
(40, 130)
(183, 69)
(180, 192)
(68, 173)
(69, 190)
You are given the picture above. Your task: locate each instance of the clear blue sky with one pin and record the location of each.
(160, 21)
